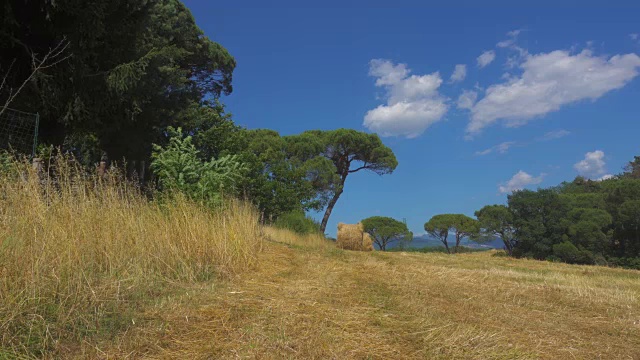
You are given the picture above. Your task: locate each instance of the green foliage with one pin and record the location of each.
(214, 133)
(345, 151)
(275, 183)
(301, 172)
(497, 220)
(463, 226)
(581, 222)
(569, 253)
(298, 222)
(385, 230)
(178, 168)
(6, 161)
(625, 262)
(539, 220)
(135, 68)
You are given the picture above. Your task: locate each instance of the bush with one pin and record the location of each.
(569, 253)
(6, 161)
(180, 170)
(625, 262)
(298, 222)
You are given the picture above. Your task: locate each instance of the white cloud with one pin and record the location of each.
(519, 181)
(505, 43)
(549, 81)
(459, 73)
(413, 102)
(486, 58)
(386, 72)
(592, 166)
(605, 177)
(634, 36)
(500, 148)
(552, 135)
(514, 33)
(408, 119)
(512, 37)
(467, 99)
(415, 88)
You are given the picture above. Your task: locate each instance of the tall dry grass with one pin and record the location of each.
(78, 251)
(286, 236)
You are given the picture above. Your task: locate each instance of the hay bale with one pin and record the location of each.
(353, 237)
(367, 242)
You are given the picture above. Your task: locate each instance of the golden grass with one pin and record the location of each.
(284, 236)
(306, 303)
(77, 253)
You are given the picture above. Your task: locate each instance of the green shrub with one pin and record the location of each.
(298, 222)
(178, 168)
(6, 161)
(569, 253)
(625, 262)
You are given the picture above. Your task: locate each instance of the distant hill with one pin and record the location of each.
(428, 241)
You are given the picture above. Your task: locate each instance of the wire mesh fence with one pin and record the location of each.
(19, 131)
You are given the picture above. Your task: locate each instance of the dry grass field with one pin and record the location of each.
(309, 300)
(81, 255)
(91, 270)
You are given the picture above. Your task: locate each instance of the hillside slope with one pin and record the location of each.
(315, 301)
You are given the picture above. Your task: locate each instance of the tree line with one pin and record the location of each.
(578, 222)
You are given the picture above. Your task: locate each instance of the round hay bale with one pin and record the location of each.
(367, 242)
(353, 237)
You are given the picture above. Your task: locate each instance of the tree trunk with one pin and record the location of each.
(384, 243)
(458, 237)
(446, 245)
(327, 213)
(507, 246)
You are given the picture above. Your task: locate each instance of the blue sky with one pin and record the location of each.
(541, 94)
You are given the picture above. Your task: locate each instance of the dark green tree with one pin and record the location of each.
(385, 230)
(630, 218)
(632, 169)
(276, 183)
(497, 220)
(587, 228)
(539, 220)
(439, 227)
(136, 67)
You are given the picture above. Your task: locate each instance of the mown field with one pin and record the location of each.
(315, 301)
(92, 270)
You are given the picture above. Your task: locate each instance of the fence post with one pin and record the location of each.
(37, 165)
(35, 137)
